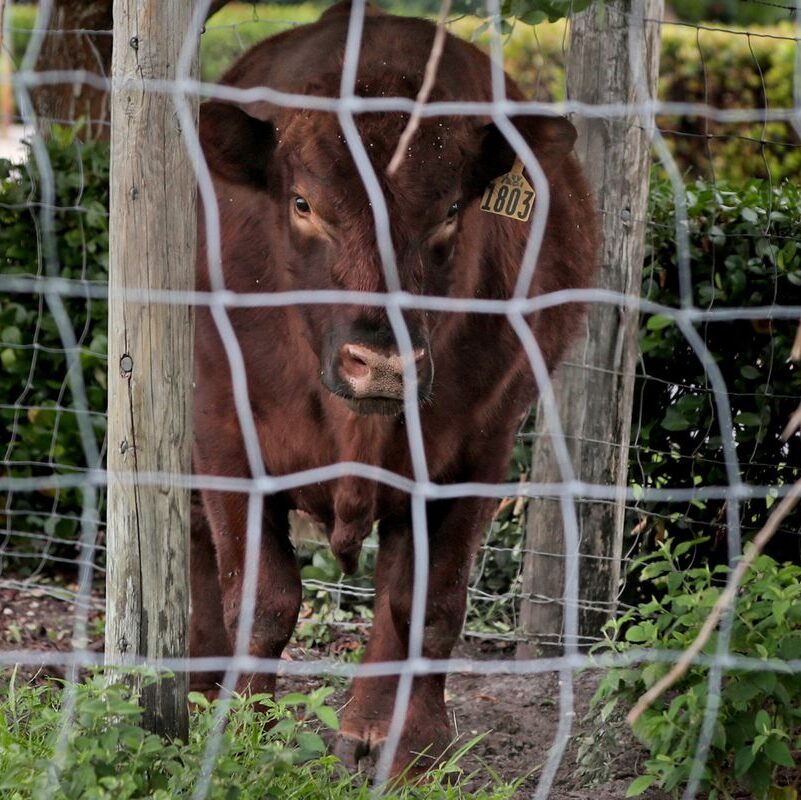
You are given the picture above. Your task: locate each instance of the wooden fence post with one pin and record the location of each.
(615, 153)
(152, 247)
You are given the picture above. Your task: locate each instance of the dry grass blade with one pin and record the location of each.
(724, 601)
(429, 76)
(793, 424)
(795, 353)
(2, 24)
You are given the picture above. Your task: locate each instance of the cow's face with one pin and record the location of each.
(325, 233)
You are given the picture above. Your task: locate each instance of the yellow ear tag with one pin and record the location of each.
(510, 195)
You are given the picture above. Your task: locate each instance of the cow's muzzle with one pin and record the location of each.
(370, 378)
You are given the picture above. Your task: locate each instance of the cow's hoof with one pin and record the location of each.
(350, 750)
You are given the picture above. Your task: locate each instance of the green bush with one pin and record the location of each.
(732, 12)
(236, 27)
(730, 71)
(723, 70)
(38, 428)
(758, 723)
(22, 20)
(744, 252)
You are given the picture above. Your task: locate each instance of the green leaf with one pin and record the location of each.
(11, 335)
(682, 547)
(294, 699)
(639, 785)
(779, 753)
(762, 721)
(782, 793)
(658, 322)
(758, 776)
(310, 742)
(675, 421)
(8, 358)
(743, 760)
(328, 717)
(643, 632)
(790, 646)
(765, 681)
(283, 726)
(533, 17)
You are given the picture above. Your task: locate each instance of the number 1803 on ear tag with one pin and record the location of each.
(510, 195)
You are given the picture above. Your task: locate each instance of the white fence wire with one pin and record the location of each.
(31, 558)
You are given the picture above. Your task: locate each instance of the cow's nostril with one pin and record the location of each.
(354, 363)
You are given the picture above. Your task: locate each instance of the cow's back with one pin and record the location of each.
(295, 59)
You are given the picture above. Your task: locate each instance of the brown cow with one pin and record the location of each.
(326, 381)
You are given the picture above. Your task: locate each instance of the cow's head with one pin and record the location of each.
(323, 234)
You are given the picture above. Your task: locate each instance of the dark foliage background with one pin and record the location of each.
(745, 252)
(38, 428)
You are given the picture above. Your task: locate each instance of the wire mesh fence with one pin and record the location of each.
(715, 384)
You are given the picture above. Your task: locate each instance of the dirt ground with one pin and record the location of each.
(520, 711)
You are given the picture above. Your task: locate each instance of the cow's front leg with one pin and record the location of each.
(278, 588)
(455, 529)
(367, 715)
(207, 635)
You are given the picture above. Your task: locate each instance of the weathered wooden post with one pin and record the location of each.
(152, 247)
(615, 153)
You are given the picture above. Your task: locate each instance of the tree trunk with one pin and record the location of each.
(614, 58)
(79, 38)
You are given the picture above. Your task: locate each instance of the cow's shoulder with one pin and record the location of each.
(344, 7)
(297, 58)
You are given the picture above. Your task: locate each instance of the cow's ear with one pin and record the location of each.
(237, 146)
(551, 139)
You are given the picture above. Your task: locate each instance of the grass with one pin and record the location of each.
(85, 742)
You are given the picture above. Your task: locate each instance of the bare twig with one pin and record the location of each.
(795, 353)
(5, 73)
(502, 506)
(724, 601)
(519, 501)
(793, 425)
(795, 419)
(2, 22)
(429, 76)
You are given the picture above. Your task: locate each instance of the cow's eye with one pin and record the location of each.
(452, 212)
(301, 205)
